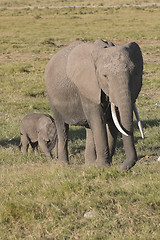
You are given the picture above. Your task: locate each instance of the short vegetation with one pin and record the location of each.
(40, 200)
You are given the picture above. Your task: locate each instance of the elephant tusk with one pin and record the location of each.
(138, 119)
(114, 116)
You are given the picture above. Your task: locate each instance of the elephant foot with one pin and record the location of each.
(126, 165)
(90, 162)
(62, 163)
(102, 163)
(49, 156)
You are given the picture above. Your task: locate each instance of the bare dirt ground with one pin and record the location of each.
(88, 6)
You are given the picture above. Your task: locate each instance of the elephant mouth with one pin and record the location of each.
(118, 125)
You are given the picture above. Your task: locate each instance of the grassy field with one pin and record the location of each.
(40, 200)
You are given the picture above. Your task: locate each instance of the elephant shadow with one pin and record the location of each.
(7, 143)
(150, 123)
(79, 135)
(75, 135)
(77, 139)
(146, 124)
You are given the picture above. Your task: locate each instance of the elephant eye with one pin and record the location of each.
(105, 76)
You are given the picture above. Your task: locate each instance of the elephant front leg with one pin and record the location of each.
(112, 133)
(101, 142)
(62, 131)
(90, 154)
(43, 145)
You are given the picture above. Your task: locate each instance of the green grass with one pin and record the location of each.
(44, 201)
(60, 26)
(40, 200)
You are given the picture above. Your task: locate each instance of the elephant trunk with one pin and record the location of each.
(120, 96)
(126, 118)
(115, 119)
(125, 108)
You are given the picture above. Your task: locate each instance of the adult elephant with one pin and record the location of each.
(78, 79)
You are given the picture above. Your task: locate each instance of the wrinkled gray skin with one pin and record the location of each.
(78, 79)
(38, 129)
(112, 132)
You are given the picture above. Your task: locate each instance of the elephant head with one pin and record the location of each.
(47, 130)
(122, 67)
(116, 71)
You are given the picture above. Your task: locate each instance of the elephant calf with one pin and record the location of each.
(38, 129)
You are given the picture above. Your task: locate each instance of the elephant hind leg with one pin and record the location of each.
(112, 133)
(24, 143)
(62, 147)
(34, 147)
(90, 153)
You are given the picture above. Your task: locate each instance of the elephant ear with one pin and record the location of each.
(81, 71)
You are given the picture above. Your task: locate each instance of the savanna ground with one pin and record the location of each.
(38, 199)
